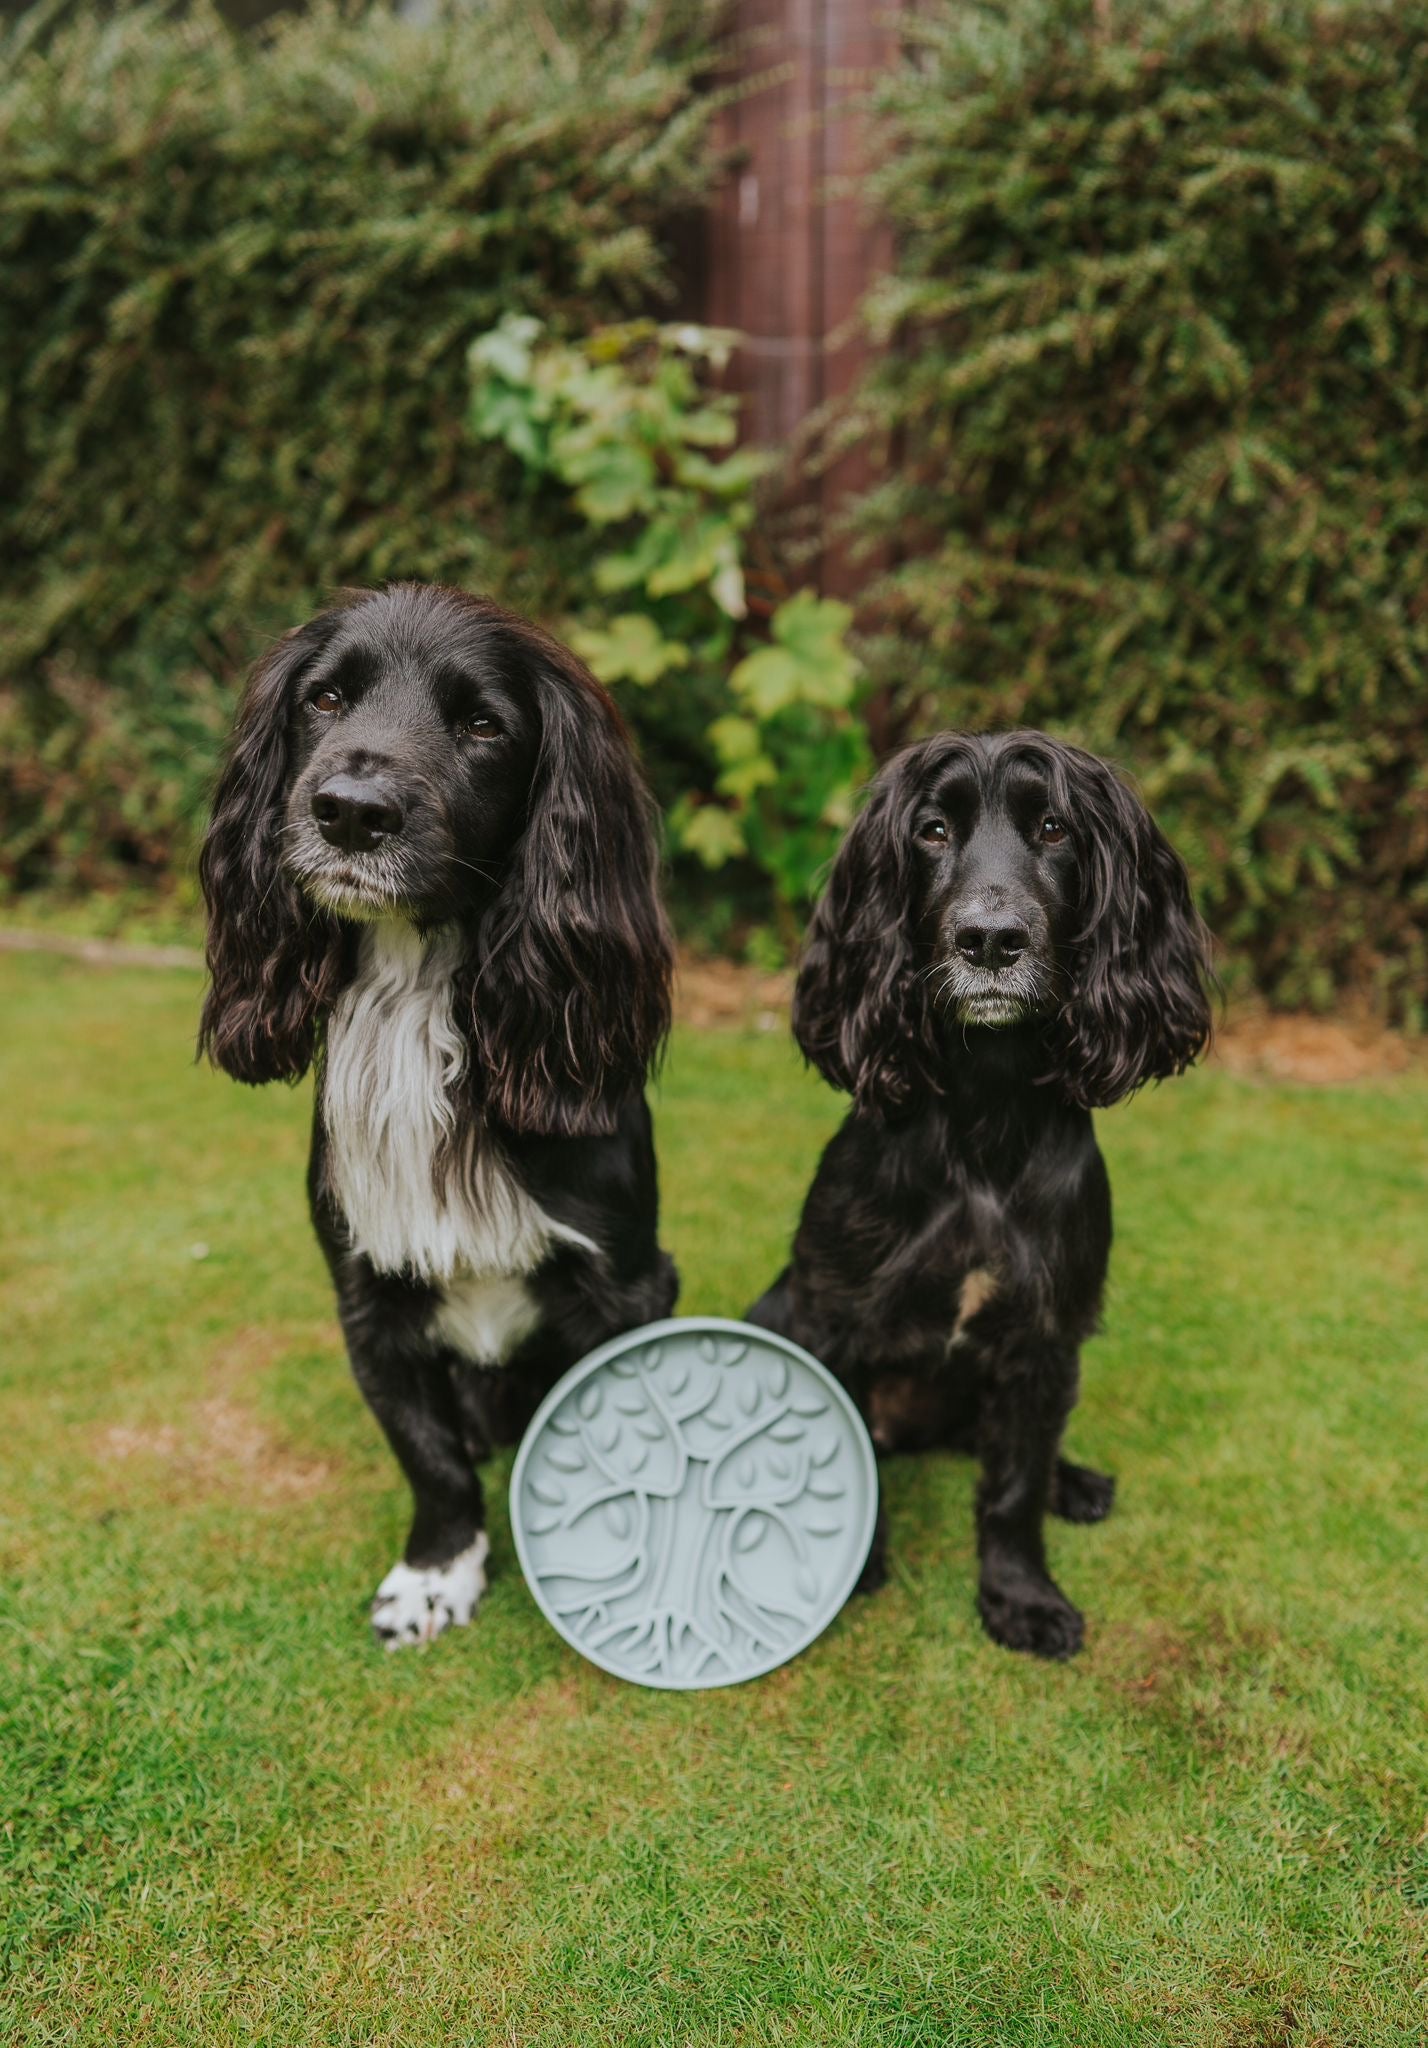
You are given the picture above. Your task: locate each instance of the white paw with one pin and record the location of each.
(415, 1603)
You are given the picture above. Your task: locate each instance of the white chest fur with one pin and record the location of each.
(421, 1191)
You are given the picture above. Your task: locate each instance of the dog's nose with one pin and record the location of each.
(988, 945)
(356, 815)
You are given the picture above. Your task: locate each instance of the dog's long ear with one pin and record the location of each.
(1138, 1002)
(860, 1007)
(273, 958)
(572, 994)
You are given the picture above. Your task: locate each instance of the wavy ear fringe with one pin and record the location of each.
(860, 1007)
(571, 997)
(274, 961)
(1141, 975)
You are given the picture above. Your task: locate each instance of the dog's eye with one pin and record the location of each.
(326, 701)
(933, 831)
(480, 728)
(1051, 831)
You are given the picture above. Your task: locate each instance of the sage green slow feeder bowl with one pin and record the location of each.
(693, 1502)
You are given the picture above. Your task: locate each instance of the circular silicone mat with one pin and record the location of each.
(693, 1503)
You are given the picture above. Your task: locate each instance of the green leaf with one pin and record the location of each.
(507, 350)
(734, 739)
(615, 482)
(746, 778)
(710, 427)
(768, 680)
(727, 586)
(714, 345)
(631, 648)
(809, 661)
(500, 414)
(633, 565)
(712, 834)
(694, 550)
(731, 478)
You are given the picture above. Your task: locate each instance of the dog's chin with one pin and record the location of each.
(350, 894)
(993, 1012)
(996, 1002)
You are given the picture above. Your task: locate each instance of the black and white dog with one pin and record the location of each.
(1007, 941)
(431, 872)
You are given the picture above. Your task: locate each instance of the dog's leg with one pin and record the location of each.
(874, 1575)
(774, 1308)
(1026, 1397)
(442, 1574)
(1081, 1494)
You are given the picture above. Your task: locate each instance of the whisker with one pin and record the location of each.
(485, 873)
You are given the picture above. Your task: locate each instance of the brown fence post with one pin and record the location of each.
(792, 244)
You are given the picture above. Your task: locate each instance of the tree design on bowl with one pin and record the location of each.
(693, 1503)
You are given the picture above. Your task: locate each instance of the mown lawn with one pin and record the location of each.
(224, 1816)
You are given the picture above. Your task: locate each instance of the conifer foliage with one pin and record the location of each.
(1155, 400)
(242, 276)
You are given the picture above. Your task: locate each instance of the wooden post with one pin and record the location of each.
(793, 245)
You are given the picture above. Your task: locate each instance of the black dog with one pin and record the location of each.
(1006, 942)
(431, 870)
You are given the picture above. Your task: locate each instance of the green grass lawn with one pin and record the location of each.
(225, 1816)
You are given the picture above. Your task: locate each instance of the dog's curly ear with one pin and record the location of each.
(571, 999)
(860, 1007)
(274, 959)
(1141, 973)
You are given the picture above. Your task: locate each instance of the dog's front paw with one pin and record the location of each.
(1081, 1494)
(1037, 1619)
(417, 1603)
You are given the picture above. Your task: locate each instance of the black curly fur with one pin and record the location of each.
(567, 977)
(275, 960)
(953, 1247)
(1134, 959)
(532, 851)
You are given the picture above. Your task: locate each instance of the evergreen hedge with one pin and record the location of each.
(1156, 405)
(242, 276)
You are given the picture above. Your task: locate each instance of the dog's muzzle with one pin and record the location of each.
(995, 972)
